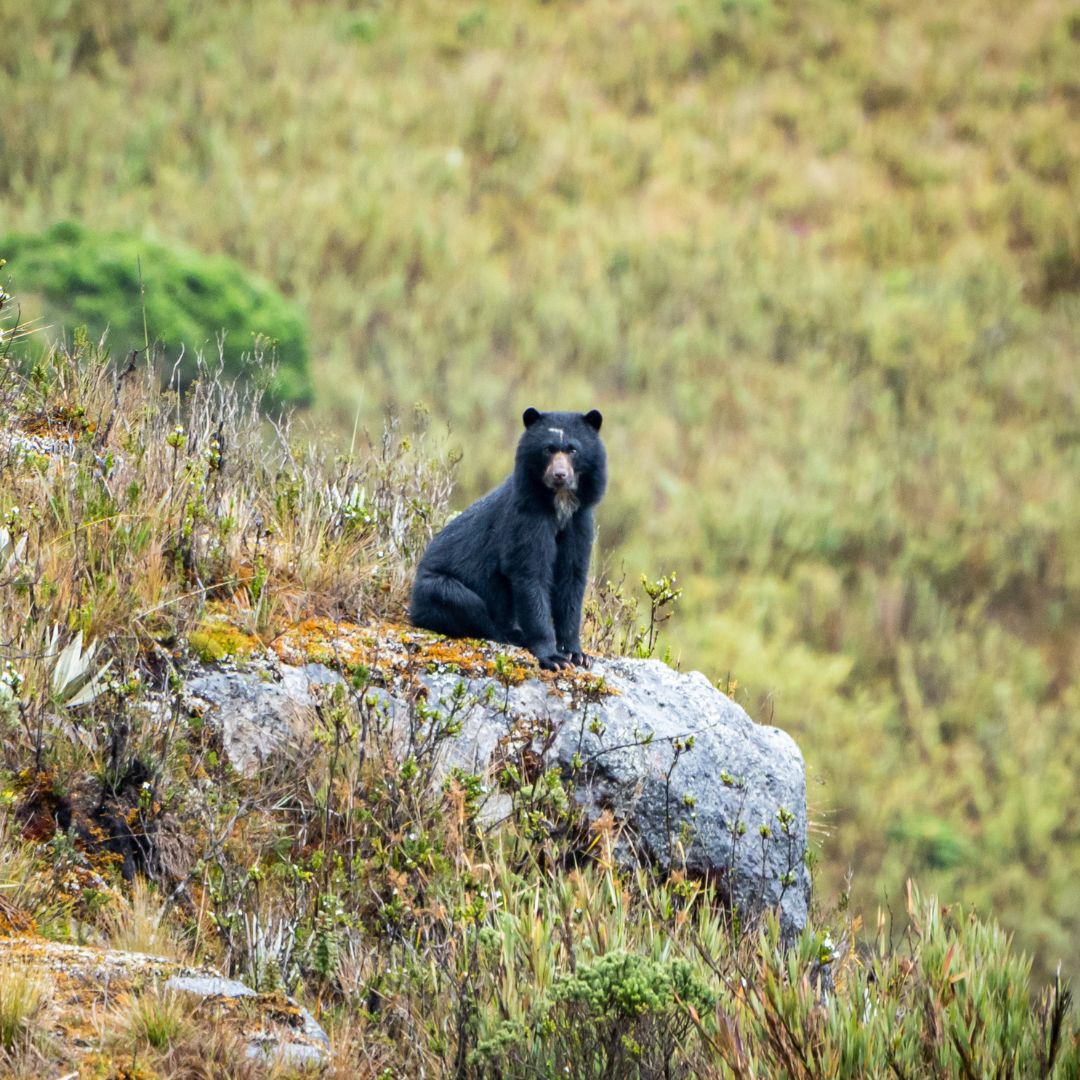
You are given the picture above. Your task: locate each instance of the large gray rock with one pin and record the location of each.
(688, 779)
(692, 779)
(258, 712)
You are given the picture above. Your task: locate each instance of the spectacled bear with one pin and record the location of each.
(512, 567)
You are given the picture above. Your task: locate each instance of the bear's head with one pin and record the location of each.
(561, 457)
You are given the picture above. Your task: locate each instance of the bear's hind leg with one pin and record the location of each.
(447, 606)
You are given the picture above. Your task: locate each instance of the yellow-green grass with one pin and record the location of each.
(338, 872)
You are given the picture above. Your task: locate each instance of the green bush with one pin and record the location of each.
(621, 1015)
(71, 277)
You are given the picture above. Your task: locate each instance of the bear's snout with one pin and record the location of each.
(560, 472)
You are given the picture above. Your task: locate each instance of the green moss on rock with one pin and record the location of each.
(215, 638)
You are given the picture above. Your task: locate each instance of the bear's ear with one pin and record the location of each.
(530, 416)
(594, 419)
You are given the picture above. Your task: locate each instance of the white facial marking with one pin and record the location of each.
(557, 431)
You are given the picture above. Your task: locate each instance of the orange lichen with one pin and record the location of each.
(392, 651)
(322, 641)
(14, 921)
(386, 652)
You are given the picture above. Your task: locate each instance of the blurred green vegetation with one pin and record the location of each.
(817, 263)
(70, 277)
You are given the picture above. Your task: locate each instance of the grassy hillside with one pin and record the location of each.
(431, 942)
(817, 263)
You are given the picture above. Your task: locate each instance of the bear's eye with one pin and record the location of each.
(571, 450)
(551, 449)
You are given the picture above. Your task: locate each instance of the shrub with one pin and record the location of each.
(72, 277)
(621, 1015)
(954, 999)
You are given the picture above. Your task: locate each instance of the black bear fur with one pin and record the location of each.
(513, 566)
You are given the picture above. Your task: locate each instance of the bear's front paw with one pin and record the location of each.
(576, 656)
(554, 661)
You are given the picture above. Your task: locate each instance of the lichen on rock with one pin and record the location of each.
(83, 983)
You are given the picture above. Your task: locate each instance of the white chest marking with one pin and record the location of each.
(566, 503)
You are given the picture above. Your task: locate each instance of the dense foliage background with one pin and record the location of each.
(817, 263)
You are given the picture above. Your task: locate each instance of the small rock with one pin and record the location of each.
(84, 981)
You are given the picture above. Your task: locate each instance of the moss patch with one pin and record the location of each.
(217, 638)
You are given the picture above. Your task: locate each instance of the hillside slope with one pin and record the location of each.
(817, 262)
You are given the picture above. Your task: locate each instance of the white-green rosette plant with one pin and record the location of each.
(11, 683)
(12, 552)
(74, 681)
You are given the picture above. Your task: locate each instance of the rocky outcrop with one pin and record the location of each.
(678, 771)
(257, 713)
(689, 779)
(82, 984)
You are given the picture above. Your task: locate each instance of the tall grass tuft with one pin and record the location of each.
(156, 1019)
(23, 998)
